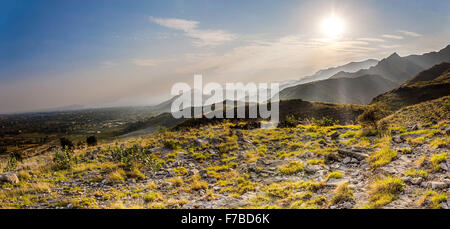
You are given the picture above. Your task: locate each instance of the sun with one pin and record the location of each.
(333, 27)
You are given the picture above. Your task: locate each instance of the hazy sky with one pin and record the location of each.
(110, 52)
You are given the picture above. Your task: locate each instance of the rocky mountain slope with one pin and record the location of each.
(308, 166)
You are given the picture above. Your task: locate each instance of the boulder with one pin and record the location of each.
(438, 185)
(347, 160)
(356, 152)
(9, 177)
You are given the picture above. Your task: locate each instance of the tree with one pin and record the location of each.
(91, 141)
(66, 143)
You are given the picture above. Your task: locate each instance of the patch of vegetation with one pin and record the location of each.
(316, 161)
(325, 121)
(416, 173)
(383, 191)
(152, 197)
(84, 202)
(116, 176)
(382, 157)
(335, 175)
(437, 159)
(11, 165)
(432, 199)
(342, 194)
(292, 167)
(63, 159)
(370, 117)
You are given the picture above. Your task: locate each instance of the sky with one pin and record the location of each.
(57, 53)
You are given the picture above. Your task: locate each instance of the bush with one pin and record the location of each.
(171, 144)
(134, 155)
(62, 160)
(371, 116)
(12, 163)
(291, 121)
(325, 121)
(66, 143)
(91, 141)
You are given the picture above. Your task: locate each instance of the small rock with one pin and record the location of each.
(447, 130)
(412, 128)
(416, 180)
(347, 160)
(447, 181)
(444, 205)
(347, 205)
(397, 139)
(406, 179)
(9, 177)
(443, 166)
(438, 185)
(334, 135)
(336, 182)
(354, 160)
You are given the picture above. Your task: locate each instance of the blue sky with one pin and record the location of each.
(117, 52)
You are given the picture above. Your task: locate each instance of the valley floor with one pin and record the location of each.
(221, 166)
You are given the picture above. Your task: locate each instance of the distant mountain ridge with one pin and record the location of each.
(359, 90)
(361, 86)
(400, 69)
(327, 73)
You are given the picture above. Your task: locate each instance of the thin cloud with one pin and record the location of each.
(190, 28)
(288, 55)
(107, 64)
(390, 36)
(150, 62)
(390, 46)
(409, 33)
(370, 39)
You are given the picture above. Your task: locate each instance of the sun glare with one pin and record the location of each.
(333, 27)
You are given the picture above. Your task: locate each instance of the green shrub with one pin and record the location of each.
(291, 121)
(325, 121)
(63, 159)
(12, 163)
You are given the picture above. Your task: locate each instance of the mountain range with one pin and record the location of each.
(361, 86)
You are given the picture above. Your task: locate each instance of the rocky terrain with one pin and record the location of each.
(229, 166)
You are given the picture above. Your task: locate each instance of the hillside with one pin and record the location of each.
(423, 113)
(309, 166)
(359, 90)
(427, 85)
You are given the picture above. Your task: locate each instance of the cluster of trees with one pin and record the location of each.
(66, 143)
